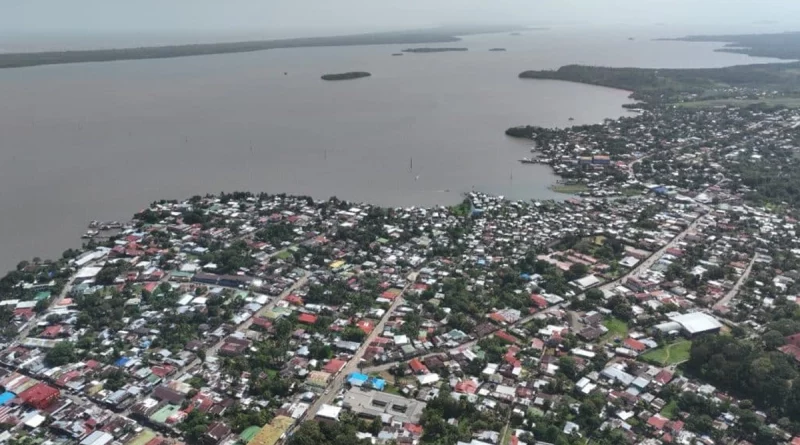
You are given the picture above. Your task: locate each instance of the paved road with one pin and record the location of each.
(471, 343)
(22, 335)
(643, 266)
(211, 351)
(352, 365)
(735, 290)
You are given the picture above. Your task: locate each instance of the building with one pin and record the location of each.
(691, 324)
(389, 407)
(329, 413)
(40, 396)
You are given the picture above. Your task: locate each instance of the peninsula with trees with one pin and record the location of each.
(438, 35)
(664, 86)
(346, 76)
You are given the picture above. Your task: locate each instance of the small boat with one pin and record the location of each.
(571, 119)
(528, 161)
(90, 234)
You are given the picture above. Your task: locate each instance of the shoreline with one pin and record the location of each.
(442, 35)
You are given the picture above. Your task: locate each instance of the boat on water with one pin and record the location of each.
(528, 161)
(90, 234)
(571, 119)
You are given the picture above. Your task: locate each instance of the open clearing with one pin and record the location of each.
(671, 354)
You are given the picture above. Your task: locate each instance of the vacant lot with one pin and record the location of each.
(616, 328)
(671, 354)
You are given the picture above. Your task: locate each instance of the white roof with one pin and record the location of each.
(428, 379)
(696, 322)
(329, 412)
(97, 438)
(587, 281)
(34, 421)
(88, 272)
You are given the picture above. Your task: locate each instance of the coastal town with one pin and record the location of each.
(656, 304)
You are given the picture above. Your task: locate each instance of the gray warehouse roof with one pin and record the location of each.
(697, 322)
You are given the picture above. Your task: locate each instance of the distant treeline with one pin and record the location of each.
(445, 35)
(665, 85)
(780, 45)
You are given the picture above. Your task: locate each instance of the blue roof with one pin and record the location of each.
(6, 397)
(377, 383)
(358, 377)
(122, 361)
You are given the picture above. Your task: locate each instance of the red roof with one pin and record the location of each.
(658, 421)
(537, 343)
(796, 440)
(794, 339)
(294, 299)
(366, 325)
(52, 331)
(636, 345)
(663, 377)
(675, 426)
(466, 387)
(413, 428)
(307, 318)
(539, 301)
(334, 366)
(24, 313)
(162, 371)
(40, 395)
(150, 287)
(417, 366)
(792, 350)
(505, 336)
(262, 322)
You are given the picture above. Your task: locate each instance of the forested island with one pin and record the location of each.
(779, 45)
(346, 76)
(433, 50)
(442, 35)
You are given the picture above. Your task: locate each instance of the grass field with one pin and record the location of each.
(670, 354)
(283, 255)
(670, 411)
(792, 102)
(616, 328)
(569, 189)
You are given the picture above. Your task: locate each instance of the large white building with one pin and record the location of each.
(691, 324)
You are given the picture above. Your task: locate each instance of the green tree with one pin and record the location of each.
(60, 354)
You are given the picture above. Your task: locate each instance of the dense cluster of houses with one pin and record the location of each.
(232, 319)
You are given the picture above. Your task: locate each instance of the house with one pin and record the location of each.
(635, 345)
(216, 432)
(307, 319)
(39, 396)
(334, 366)
(417, 367)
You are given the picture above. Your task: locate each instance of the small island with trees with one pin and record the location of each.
(433, 50)
(346, 76)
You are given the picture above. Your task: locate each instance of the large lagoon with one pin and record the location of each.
(102, 140)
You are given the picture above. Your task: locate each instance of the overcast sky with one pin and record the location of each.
(364, 15)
